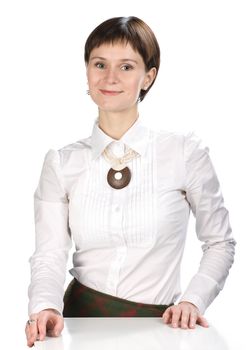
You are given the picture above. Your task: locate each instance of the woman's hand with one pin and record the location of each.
(184, 315)
(47, 322)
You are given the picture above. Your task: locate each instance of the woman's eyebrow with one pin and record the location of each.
(97, 57)
(128, 59)
(121, 60)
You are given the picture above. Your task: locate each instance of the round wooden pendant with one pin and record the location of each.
(119, 178)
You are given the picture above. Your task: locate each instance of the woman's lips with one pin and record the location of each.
(110, 92)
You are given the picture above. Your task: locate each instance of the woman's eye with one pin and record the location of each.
(127, 67)
(99, 65)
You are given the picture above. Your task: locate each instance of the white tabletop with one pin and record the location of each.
(131, 333)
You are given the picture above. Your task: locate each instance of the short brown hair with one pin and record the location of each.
(130, 30)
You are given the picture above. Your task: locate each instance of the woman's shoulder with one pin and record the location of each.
(80, 144)
(184, 137)
(73, 154)
(189, 142)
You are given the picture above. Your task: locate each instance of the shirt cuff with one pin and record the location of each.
(43, 306)
(201, 291)
(196, 300)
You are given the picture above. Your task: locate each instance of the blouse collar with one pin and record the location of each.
(136, 137)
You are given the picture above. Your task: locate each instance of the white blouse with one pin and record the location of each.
(129, 242)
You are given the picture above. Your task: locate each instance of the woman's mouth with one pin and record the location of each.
(110, 92)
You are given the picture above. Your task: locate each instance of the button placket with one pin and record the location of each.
(114, 273)
(119, 243)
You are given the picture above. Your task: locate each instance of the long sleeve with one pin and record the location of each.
(53, 238)
(212, 225)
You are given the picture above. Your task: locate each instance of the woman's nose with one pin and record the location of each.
(111, 76)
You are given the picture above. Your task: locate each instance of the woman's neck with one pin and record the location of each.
(116, 124)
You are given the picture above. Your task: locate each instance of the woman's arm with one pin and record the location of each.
(213, 228)
(212, 225)
(53, 238)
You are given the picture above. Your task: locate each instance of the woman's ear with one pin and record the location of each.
(149, 78)
(86, 65)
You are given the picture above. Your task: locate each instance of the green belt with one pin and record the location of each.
(82, 301)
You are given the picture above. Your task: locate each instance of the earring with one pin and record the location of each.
(88, 92)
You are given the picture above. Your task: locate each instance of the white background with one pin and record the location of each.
(204, 85)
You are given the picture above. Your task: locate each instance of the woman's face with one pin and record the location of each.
(116, 74)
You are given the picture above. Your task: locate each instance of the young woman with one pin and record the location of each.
(123, 196)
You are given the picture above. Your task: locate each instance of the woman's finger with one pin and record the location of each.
(42, 325)
(185, 316)
(202, 321)
(58, 326)
(193, 319)
(176, 314)
(27, 333)
(55, 326)
(167, 315)
(31, 333)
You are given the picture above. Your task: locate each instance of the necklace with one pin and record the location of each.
(119, 175)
